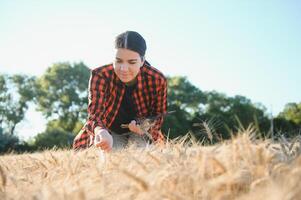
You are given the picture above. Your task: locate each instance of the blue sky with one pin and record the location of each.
(250, 48)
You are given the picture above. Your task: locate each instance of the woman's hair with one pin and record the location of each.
(131, 40)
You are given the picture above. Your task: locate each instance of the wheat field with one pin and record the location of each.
(242, 168)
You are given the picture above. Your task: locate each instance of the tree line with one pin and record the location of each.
(61, 95)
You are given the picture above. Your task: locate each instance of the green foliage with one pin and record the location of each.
(221, 114)
(53, 137)
(184, 95)
(185, 99)
(286, 127)
(235, 112)
(16, 92)
(62, 94)
(292, 112)
(177, 123)
(7, 141)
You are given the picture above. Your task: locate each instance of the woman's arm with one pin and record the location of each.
(160, 108)
(97, 89)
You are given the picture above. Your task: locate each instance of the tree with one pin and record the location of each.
(285, 127)
(222, 114)
(16, 92)
(292, 112)
(246, 112)
(185, 99)
(53, 137)
(183, 94)
(7, 141)
(225, 115)
(62, 94)
(288, 122)
(214, 118)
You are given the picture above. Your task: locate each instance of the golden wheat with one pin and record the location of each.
(241, 168)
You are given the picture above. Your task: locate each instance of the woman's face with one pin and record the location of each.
(127, 64)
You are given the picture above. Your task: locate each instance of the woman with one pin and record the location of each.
(120, 95)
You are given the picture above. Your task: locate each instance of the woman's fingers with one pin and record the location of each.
(135, 128)
(132, 125)
(103, 145)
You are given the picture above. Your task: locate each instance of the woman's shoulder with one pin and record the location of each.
(104, 70)
(150, 70)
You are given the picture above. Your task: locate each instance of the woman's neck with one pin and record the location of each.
(132, 82)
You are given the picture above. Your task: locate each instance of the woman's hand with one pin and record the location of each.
(103, 139)
(135, 128)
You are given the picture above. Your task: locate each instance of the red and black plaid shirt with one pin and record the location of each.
(105, 95)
